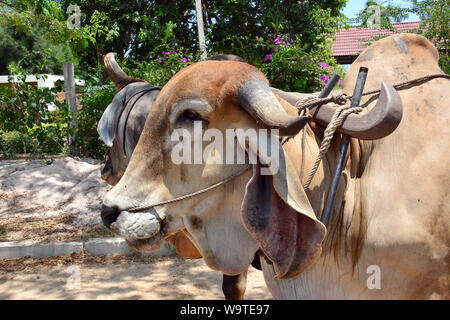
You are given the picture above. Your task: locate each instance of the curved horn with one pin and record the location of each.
(379, 122)
(115, 73)
(258, 100)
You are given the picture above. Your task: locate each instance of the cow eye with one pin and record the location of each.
(189, 115)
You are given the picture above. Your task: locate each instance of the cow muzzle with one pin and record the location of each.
(133, 226)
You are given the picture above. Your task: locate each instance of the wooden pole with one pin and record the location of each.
(201, 31)
(357, 94)
(71, 100)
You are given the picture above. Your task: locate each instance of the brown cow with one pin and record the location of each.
(120, 128)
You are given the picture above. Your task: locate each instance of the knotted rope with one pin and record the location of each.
(338, 118)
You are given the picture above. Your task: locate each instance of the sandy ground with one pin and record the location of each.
(117, 277)
(46, 202)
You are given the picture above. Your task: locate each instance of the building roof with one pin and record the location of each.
(354, 40)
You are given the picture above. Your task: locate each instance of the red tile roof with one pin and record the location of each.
(354, 40)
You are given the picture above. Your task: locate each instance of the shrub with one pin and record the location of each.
(15, 142)
(51, 138)
(289, 67)
(444, 62)
(48, 139)
(157, 69)
(96, 98)
(287, 64)
(27, 125)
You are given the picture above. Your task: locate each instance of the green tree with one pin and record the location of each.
(231, 23)
(16, 45)
(435, 15)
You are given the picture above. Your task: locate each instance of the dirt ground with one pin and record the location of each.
(117, 277)
(47, 201)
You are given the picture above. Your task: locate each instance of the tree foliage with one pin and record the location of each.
(435, 15)
(152, 38)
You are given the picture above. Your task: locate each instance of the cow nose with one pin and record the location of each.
(109, 215)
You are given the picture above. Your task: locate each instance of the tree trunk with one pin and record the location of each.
(71, 100)
(201, 31)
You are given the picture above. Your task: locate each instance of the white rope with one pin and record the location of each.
(338, 118)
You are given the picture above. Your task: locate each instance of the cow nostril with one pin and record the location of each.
(109, 215)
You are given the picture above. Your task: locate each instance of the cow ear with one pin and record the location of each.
(277, 213)
(107, 125)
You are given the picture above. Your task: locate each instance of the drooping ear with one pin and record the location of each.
(107, 126)
(277, 213)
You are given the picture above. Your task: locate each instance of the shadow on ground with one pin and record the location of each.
(164, 278)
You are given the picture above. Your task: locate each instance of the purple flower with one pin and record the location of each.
(307, 60)
(184, 59)
(256, 37)
(268, 57)
(325, 78)
(159, 61)
(324, 65)
(340, 82)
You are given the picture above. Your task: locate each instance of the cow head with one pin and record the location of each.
(123, 119)
(221, 95)
(228, 223)
(116, 119)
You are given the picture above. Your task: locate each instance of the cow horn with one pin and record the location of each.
(379, 122)
(258, 100)
(115, 73)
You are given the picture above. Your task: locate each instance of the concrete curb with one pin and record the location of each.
(96, 246)
(20, 249)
